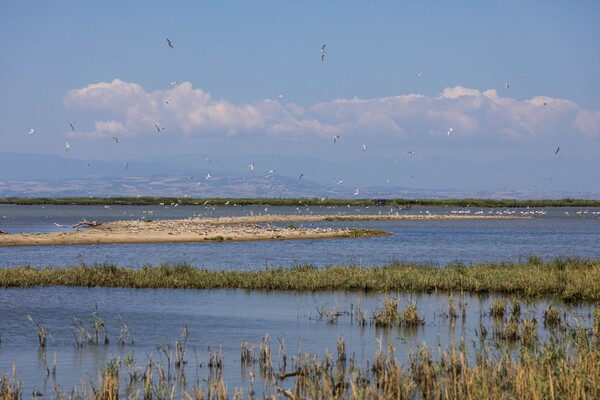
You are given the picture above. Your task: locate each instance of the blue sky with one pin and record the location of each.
(510, 79)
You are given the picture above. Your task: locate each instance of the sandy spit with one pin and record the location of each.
(207, 230)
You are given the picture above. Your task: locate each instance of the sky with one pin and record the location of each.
(475, 81)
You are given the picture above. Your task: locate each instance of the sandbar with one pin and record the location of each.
(219, 229)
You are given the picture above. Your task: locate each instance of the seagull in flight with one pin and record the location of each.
(506, 85)
(356, 191)
(158, 128)
(208, 176)
(126, 165)
(364, 147)
(270, 173)
(301, 175)
(169, 43)
(116, 139)
(67, 146)
(32, 131)
(323, 52)
(449, 131)
(251, 167)
(72, 127)
(412, 152)
(173, 83)
(335, 138)
(557, 150)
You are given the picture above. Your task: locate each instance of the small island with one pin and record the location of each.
(220, 229)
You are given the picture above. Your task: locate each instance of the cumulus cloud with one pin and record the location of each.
(128, 108)
(588, 123)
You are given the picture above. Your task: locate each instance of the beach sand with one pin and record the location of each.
(210, 230)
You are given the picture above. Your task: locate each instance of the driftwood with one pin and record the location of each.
(2, 233)
(87, 224)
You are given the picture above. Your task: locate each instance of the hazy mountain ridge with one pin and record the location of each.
(32, 175)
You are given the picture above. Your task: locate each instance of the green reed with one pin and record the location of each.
(567, 279)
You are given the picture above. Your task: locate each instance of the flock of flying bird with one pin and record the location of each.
(251, 166)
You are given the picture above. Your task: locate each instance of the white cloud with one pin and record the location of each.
(128, 108)
(588, 123)
(101, 130)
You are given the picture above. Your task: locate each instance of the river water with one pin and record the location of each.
(222, 319)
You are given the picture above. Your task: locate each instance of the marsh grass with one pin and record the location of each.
(565, 366)
(569, 280)
(223, 201)
(41, 331)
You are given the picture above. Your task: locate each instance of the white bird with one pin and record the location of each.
(364, 147)
(412, 152)
(116, 139)
(67, 146)
(323, 52)
(251, 167)
(169, 43)
(449, 131)
(208, 176)
(335, 138)
(356, 191)
(270, 173)
(32, 131)
(61, 226)
(173, 83)
(506, 85)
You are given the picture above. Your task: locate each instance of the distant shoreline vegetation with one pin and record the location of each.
(229, 201)
(568, 279)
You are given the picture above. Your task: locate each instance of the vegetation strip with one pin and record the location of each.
(568, 279)
(400, 202)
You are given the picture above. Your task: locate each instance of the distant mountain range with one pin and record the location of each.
(37, 175)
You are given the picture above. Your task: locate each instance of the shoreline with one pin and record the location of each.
(246, 228)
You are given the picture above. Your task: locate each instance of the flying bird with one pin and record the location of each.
(173, 83)
(116, 139)
(506, 85)
(412, 152)
(158, 128)
(251, 167)
(67, 146)
(335, 138)
(270, 173)
(208, 176)
(169, 43)
(32, 131)
(557, 150)
(356, 191)
(126, 165)
(364, 147)
(449, 131)
(301, 175)
(323, 52)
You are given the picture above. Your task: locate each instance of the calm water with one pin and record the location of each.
(223, 319)
(552, 233)
(218, 319)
